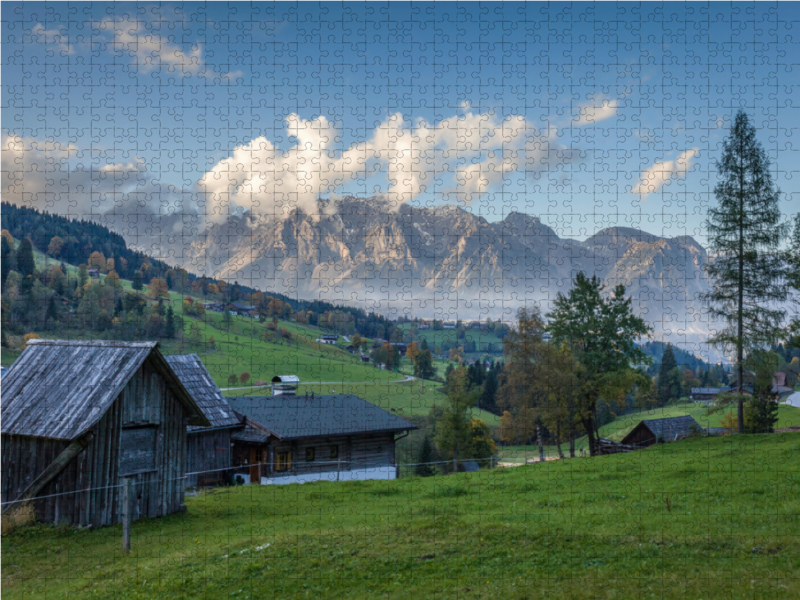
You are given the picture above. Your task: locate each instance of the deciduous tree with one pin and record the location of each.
(602, 332)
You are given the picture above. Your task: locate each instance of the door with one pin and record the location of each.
(254, 478)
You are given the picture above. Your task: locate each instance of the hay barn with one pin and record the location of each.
(84, 415)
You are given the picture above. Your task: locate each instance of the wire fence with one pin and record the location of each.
(272, 474)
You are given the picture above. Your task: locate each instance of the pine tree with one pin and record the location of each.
(169, 328)
(8, 261)
(746, 271)
(668, 364)
(25, 263)
(138, 281)
(426, 456)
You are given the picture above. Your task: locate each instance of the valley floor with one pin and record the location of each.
(702, 518)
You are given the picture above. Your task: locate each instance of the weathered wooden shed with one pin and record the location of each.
(208, 449)
(84, 415)
(650, 431)
(305, 438)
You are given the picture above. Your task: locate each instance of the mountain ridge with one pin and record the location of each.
(438, 260)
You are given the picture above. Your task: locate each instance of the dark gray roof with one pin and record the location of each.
(60, 388)
(248, 434)
(300, 416)
(669, 428)
(714, 390)
(197, 380)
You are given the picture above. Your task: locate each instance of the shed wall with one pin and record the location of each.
(146, 400)
(208, 451)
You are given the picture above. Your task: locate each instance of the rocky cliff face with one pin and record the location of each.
(448, 262)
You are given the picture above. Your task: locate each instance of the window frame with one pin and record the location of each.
(311, 453)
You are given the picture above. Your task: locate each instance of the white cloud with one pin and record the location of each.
(150, 50)
(595, 111)
(661, 173)
(51, 176)
(232, 75)
(52, 37)
(461, 157)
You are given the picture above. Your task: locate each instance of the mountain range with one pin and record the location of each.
(446, 262)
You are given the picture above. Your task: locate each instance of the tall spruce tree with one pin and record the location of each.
(25, 263)
(746, 270)
(792, 257)
(669, 365)
(8, 260)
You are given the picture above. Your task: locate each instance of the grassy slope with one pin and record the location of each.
(574, 529)
(242, 348)
(618, 429)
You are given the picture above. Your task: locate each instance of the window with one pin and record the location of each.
(309, 454)
(284, 462)
(334, 451)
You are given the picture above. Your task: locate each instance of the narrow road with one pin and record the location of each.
(250, 387)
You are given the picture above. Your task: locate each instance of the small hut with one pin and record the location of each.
(208, 449)
(285, 385)
(670, 429)
(84, 415)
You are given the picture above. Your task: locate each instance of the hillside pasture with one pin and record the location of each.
(702, 518)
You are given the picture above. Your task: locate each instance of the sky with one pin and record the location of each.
(585, 115)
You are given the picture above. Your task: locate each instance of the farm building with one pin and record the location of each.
(708, 393)
(244, 310)
(328, 338)
(208, 449)
(83, 415)
(650, 431)
(306, 438)
(285, 385)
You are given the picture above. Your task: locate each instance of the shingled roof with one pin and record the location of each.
(197, 380)
(60, 388)
(669, 428)
(292, 417)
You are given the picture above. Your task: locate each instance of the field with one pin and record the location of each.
(618, 429)
(702, 518)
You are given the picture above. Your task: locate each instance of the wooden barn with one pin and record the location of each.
(83, 415)
(208, 449)
(308, 438)
(670, 429)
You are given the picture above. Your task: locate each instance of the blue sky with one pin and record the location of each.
(586, 115)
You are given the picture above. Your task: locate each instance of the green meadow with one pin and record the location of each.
(702, 518)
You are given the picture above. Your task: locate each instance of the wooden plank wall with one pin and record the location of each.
(208, 451)
(356, 452)
(144, 400)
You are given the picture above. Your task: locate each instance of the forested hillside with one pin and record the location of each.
(48, 262)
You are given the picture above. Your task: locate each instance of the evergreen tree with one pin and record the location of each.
(8, 260)
(138, 281)
(25, 263)
(424, 345)
(52, 311)
(746, 271)
(488, 397)
(425, 456)
(169, 327)
(666, 376)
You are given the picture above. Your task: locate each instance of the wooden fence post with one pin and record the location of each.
(126, 515)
